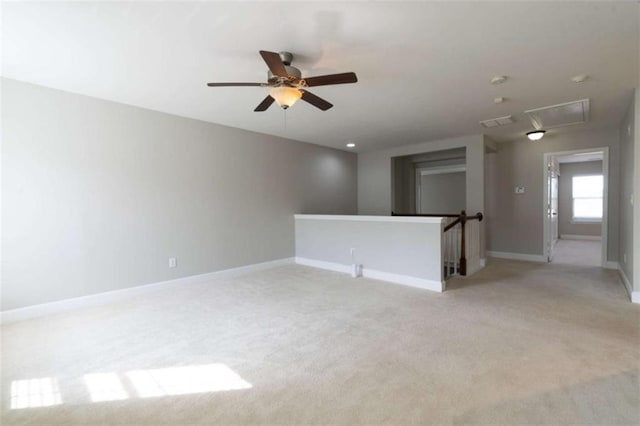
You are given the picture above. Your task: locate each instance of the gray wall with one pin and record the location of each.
(515, 221)
(403, 170)
(404, 185)
(565, 198)
(635, 281)
(443, 192)
(98, 195)
(399, 247)
(627, 136)
(374, 173)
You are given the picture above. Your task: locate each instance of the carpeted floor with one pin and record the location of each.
(518, 343)
(578, 252)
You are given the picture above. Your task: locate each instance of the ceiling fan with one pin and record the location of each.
(286, 84)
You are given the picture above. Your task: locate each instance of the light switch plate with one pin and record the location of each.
(518, 189)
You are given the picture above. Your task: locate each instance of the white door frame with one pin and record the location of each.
(605, 197)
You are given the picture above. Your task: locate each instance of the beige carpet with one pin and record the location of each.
(519, 343)
(578, 252)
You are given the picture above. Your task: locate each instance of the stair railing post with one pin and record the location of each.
(463, 256)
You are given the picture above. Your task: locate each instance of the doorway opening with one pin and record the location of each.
(575, 207)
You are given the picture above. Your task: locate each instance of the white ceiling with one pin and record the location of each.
(423, 68)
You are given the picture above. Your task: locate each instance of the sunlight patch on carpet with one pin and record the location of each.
(31, 393)
(101, 387)
(105, 387)
(186, 380)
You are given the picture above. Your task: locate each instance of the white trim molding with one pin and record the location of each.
(426, 171)
(611, 265)
(438, 286)
(633, 295)
(517, 256)
(580, 237)
(358, 218)
(329, 266)
(99, 299)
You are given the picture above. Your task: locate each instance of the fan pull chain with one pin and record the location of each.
(285, 118)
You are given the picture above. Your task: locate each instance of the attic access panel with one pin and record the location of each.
(497, 122)
(565, 114)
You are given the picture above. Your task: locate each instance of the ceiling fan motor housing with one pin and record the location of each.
(292, 71)
(286, 57)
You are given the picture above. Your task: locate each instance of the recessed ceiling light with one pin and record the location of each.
(498, 100)
(579, 78)
(499, 79)
(535, 135)
(351, 145)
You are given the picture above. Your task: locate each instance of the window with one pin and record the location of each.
(587, 198)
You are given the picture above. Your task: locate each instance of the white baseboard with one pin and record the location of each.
(432, 285)
(330, 266)
(580, 237)
(625, 281)
(633, 295)
(474, 265)
(407, 280)
(99, 299)
(611, 265)
(517, 256)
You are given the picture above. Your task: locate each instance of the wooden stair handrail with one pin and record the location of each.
(452, 224)
(477, 216)
(425, 215)
(462, 219)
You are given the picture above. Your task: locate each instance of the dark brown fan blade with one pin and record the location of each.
(235, 84)
(316, 101)
(324, 80)
(274, 63)
(266, 103)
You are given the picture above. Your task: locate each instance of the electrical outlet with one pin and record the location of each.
(173, 262)
(518, 189)
(624, 258)
(352, 251)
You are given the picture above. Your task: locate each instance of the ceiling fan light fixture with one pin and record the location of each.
(535, 135)
(285, 96)
(287, 85)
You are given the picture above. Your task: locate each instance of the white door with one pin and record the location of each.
(552, 207)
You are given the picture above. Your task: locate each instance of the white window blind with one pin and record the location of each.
(587, 198)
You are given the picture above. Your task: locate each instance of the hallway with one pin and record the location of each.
(578, 252)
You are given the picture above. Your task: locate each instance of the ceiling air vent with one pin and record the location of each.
(497, 122)
(566, 114)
